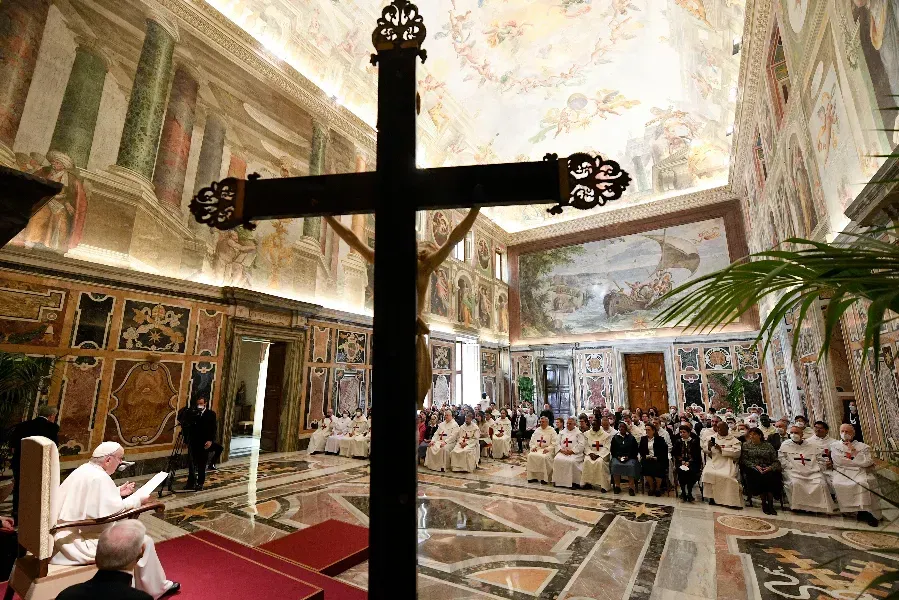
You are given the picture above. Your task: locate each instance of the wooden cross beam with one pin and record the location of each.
(394, 193)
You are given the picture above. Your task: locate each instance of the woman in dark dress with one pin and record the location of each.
(686, 453)
(761, 469)
(625, 450)
(654, 459)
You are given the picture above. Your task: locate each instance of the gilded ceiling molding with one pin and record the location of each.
(654, 208)
(256, 59)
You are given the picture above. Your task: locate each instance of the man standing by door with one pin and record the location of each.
(202, 439)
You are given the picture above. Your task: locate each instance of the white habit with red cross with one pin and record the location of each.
(541, 455)
(567, 467)
(852, 477)
(502, 438)
(358, 429)
(596, 472)
(437, 458)
(803, 473)
(467, 451)
(719, 476)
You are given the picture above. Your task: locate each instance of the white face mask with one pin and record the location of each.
(796, 437)
(781, 430)
(846, 436)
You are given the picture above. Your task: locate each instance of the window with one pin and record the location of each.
(778, 75)
(499, 266)
(457, 390)
(761, 168)
(459, 251)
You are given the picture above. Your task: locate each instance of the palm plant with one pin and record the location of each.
(21, 377)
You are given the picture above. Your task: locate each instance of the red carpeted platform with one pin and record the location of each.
(330, 547)
(334, 588)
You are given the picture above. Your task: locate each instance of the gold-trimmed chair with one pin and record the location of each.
(33, 577)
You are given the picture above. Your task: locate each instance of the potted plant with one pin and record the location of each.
(526, 390)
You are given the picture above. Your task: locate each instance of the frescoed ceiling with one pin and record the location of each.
(649, 83)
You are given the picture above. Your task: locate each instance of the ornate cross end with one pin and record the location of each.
(221, 204)
(586, 181)
(399, 26)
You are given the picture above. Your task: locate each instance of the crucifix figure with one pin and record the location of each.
(394, 193)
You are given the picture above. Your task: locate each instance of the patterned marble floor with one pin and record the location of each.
(493, 535)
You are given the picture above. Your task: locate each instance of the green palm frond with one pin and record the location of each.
(865, 271)
(21, 377)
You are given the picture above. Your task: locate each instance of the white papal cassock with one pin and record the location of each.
(466, 453)
(567, 467)
(338, 431)
(596, 472)
(502, 438)
(804, 478)
(89, 493)
(719, 477)
(542, 454)
(320, 437)
(358, 429)
(851, 477)
(361, 444)
(437, 457)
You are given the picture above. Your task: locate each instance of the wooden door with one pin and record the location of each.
(271, 408)
(557, 386)
(646, 385)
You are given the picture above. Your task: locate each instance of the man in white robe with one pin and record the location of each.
(597, 454)
(361, 444)
(569, 461)
(90, 493)
(320, 437)
(442, 443)
(358, 429)
(852, 478)
(542, 454)
(466, 453)
(501, 446)
(720, 475)
(339, 430)
(803, 473)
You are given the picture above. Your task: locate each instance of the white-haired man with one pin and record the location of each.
(90, 493)
(119, 549)
(852, 477)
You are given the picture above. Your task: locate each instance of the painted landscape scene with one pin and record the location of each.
(614, 284)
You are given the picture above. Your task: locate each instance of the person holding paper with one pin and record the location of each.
(90, 493)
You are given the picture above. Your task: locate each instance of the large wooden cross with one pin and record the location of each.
(394, 193)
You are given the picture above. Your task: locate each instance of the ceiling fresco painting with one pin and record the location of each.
(649, 83)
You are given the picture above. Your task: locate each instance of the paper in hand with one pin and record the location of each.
(149, 487)
(684, 468)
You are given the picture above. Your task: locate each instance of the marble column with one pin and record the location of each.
(74, 132)
(21, 31)
(209, 167)
(174, 145)
(312, 226)
(146, 108)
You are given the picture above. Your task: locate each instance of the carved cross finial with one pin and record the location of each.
(588, 181)
(399, 26)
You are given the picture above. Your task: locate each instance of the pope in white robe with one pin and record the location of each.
(502, 437)
(569, 461)
(852, 478)
(320, 437)
(597, 454)
(339, 430)
(437, 458)
(90, 493)
(543, 452)
(803, 473)
(466, 453)
(720, 474)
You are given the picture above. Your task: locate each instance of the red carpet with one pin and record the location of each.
(334, 588)
(330, 547)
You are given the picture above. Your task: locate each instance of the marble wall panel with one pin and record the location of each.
(488, 362)
(718, 358)
(691, 390)
(31, 313)
(143, 402)
(350, 347)
(202, 382)
(93, 317)
(349, 390)
(488, 386)
(688, 359)
(154, 326)
(441, 357)
(747, 356)
(442, 391)
(78, 404)
(209, 331)
(321, 344)
(317, 401)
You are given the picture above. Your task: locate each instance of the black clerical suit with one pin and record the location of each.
(202, 431)
(114, 585)
(548, 413)
(38, 426)
(521, 430)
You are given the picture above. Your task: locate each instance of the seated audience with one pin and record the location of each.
(852, 418)
(502, 436)
(438, 455)
(569, 460)
(803, 470)
(852, 477)
(625, 450)
(339, 431)
(761, 469)
(325, 427)
(465, 455)
(653, 460)
(687, 458)
(597, 453)
(821, 438)
(771, 432)
(559, 425)
(520, 428)
(542, 454)
(430, 430)
(719, 477)
(486, 433)
(358, 428)
(583, 423)
(361, 441)
(119, 549)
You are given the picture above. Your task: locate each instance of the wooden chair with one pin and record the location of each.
(33, 577)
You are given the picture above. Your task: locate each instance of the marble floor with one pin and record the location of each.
(493, 535)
